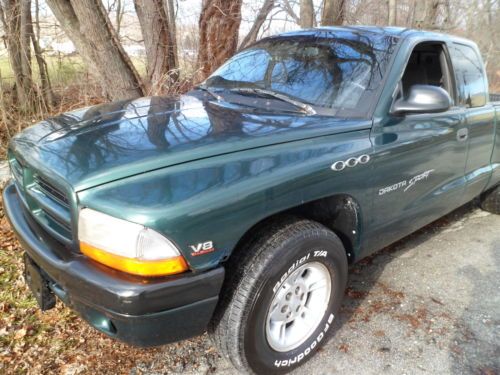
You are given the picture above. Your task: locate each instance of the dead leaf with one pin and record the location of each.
(20, 334)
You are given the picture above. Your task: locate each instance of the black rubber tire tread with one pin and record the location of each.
(490, 201)
(244, 268)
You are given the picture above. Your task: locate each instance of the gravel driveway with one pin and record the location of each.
(428, 304)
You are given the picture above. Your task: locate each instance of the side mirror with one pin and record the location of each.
(423, 99)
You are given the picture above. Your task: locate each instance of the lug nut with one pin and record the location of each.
(297, 290)
(284, 309)
(288, 296)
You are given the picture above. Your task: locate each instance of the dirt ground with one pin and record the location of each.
(428, 304)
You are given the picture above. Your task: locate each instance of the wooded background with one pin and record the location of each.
(61, 54)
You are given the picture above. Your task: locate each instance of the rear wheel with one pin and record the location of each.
(490, 201)
(283, 292)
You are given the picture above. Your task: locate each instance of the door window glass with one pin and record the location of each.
(470, 76)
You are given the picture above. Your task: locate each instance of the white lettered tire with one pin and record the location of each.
(283, 291)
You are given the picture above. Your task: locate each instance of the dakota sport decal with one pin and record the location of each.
(406, 184)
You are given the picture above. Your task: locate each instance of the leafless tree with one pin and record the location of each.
(333, 12)
(218, 27)
(426, 14)
(306, 18)
(392, 12)
(306, 14)
(87, 24)
(160, 49)
(170, 9)
(264, 11)
(47, 92)
(15, 16)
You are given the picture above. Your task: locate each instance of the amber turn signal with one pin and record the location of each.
(133, 266)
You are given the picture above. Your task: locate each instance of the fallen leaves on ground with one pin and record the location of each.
(52, 342)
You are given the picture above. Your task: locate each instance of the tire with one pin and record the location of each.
(261, 274)
(490, 200)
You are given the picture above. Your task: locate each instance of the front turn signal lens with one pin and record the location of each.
(127, 246)
(133, 266)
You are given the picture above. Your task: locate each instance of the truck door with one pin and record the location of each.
(472, 90)
(419, 157)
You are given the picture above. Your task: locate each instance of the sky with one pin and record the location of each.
(189, 12)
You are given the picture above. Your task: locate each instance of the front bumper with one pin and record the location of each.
(141, 312)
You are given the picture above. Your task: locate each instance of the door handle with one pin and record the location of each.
(462, 134)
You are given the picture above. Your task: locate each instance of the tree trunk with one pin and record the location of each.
(161, 66)
(306, 14)
(264, 11)
(419, 14)
(119, 16)
(170, 10)
(289, 10)
(16, 17)
(432, 12)
(333, 12)
(219, 25)
(392, 12)
(87, 24)
(426, 13)
(47, 93)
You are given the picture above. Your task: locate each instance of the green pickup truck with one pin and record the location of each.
(238, 206)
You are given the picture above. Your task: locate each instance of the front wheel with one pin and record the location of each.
(283, 292)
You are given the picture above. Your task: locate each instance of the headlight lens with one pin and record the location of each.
(127, 246)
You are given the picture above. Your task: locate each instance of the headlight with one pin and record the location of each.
(127, 246)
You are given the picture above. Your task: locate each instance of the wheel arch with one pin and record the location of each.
(340, 213)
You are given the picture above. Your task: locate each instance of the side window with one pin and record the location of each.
(427, 65)
(470, 76)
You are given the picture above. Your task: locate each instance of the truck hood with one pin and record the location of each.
(103, 143)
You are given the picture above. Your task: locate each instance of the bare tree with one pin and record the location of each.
(170, 9)
(87, 24)
(264, 11)
(289, 10)
(392, 12)
(119, 10)
(426, 14)
(306, 14)
(16, 20)
(161, 62)
(306, 17)
(432, 13)
(43, 70)
(333, 12)
(219, 25)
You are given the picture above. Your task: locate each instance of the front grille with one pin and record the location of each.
(51, 191)
(46, 203)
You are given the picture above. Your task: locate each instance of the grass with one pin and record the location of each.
(63, 69)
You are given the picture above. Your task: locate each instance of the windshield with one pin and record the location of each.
(338, 72)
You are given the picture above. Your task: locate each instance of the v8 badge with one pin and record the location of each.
(202, 248)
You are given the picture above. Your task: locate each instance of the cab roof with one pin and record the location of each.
(396, 32)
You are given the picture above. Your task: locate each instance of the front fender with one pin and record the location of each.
(219, 199)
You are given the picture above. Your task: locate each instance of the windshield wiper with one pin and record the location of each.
(258, 91)
(211, 92)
